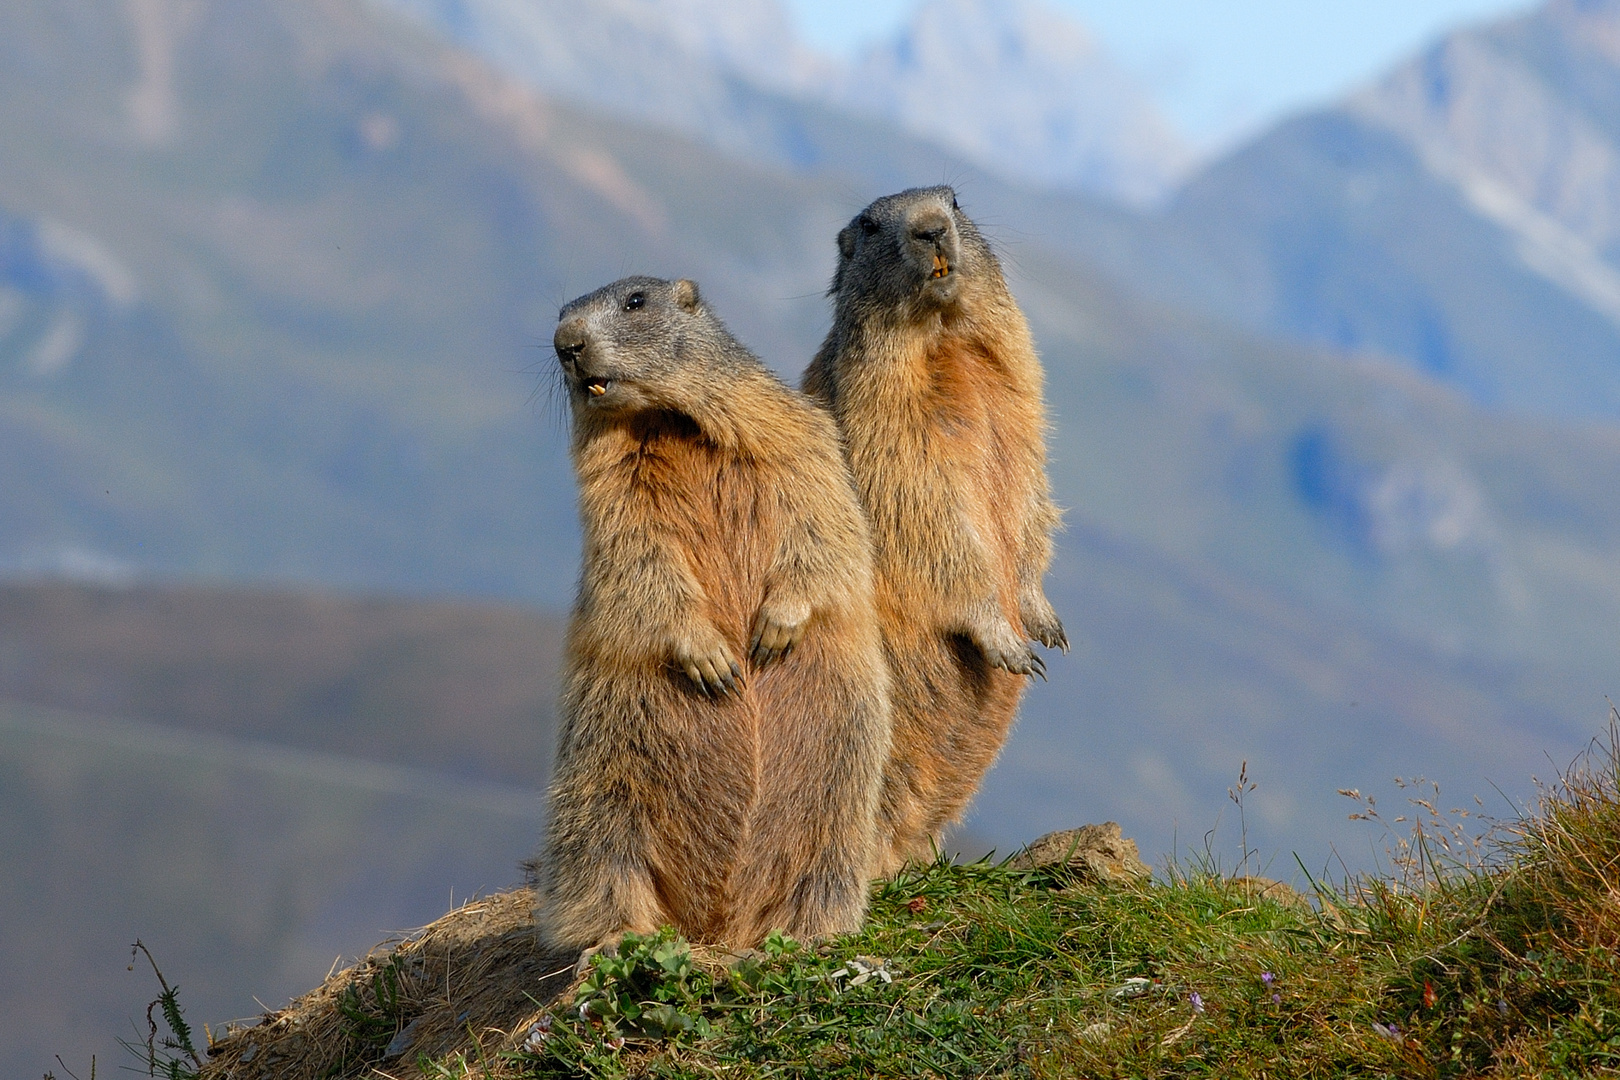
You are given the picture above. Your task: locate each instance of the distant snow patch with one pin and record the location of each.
(1521, 155)
(159, 25)
(70, 562)
(1435, 505)
(1023, 91)
(64, 243)
(57, 348)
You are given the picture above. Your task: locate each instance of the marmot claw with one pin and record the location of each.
(1022, 662)
(1006, 650)
(1042, 623)
(712, 669)
(774, 636)
(1053, 637)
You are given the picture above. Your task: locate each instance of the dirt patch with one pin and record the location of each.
(472, 981)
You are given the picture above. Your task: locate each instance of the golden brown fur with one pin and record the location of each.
(725, 705)
(931, 373)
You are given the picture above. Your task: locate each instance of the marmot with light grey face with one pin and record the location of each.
(931, 373)
(725, 715)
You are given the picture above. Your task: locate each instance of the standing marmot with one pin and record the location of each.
(932, 376)
(725, 713)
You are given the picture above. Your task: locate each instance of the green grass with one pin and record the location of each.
(1496, 958)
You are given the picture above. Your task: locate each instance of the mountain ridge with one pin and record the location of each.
(970, 64)
(1457, 214)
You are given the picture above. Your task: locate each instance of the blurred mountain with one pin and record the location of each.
(1461, 215)
(465, 689)
(598, 52)
(294, 330)
(721, 70)
(277, 282)
(1023, 91)
(1018, 89)
(254, 783)
(247, 868)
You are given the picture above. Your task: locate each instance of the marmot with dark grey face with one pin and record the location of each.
(931, 373)
(725, 717)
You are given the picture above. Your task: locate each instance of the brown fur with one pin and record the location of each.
(936, 386)
(725, 705)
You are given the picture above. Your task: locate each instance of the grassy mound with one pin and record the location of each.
(1503, 964)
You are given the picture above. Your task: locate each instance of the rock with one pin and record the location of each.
(1095, 852)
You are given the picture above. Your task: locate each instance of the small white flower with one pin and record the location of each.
(1132, 987)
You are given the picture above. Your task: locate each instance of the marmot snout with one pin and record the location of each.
(618, 345)
(927, 243)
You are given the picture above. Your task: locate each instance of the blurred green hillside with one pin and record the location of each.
(247, 868)
(308, 774)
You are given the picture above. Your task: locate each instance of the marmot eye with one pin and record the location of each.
(634, 301)
(868, 226)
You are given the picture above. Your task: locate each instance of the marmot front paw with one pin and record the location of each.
(1005, 649)
(778, 628)
(709, 664)
(1042, 624)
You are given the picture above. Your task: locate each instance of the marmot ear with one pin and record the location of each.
(686, 295)
(846, 242)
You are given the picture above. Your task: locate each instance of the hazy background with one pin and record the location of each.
(1219, 69)
(1330, 309)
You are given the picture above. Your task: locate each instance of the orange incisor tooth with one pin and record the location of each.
(596, 389)
(941, 267)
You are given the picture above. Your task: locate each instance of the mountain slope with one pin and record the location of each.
(1018, 89)
(463, 689)
(1024, 92)
(246, 868)
(253, 783)
(1460, 215)
(345, 253)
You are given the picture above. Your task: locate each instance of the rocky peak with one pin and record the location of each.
(1022, 90)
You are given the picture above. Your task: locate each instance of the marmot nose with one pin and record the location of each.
(930, 226)
(570, 340)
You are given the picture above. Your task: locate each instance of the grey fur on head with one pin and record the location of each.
(645, 343)
(913, 249)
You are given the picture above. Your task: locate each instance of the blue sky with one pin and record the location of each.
(1219, 68)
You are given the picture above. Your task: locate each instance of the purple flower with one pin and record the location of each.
(1197, 1000)
(1388, 1031)
(1267, 977)
(1276, 999)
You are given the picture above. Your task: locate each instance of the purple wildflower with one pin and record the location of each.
(1197, 1000)
(1267, 977)
(1276, 999)
(1388, 1031)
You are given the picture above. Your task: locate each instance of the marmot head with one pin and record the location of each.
(643, 344)
(916, 250)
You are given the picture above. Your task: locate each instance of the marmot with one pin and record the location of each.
(931, 373)
(725, 702)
